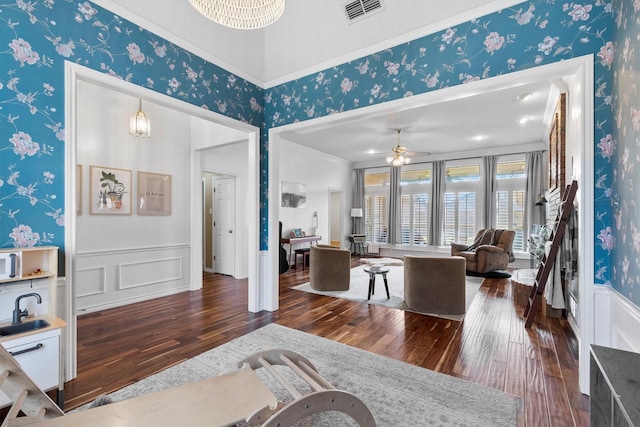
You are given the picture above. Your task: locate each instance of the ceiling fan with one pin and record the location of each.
(399, 156)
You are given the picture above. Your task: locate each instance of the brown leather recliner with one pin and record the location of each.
(329, 268)
(491, 250)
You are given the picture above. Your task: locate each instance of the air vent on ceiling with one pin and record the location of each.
(357, 9)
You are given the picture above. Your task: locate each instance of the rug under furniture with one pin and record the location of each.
(359, 286)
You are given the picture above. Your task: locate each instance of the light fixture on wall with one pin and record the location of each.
(139, 123)
(241, 14)
(399, 157)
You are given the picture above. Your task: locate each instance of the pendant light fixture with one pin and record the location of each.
(241, 14)
(139, 123)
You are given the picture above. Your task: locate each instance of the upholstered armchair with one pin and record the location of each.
(329, 268)
(490, 251)
(435, 284)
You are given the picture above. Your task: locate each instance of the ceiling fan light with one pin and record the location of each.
(389, 159)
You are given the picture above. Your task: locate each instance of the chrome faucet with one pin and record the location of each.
(17, 313)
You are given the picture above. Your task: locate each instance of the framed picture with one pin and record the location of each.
(154, 194)
(293, 195)
(109, 191)
(297, 232)
(78, 189)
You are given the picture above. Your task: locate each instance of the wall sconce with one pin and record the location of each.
(139, 124)
(541, 200)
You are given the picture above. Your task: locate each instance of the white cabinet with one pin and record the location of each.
(39, 357)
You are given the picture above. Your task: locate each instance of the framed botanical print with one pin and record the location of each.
(109, 191)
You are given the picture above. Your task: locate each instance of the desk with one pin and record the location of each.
(297, 240)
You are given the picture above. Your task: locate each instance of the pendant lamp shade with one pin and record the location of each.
(139, 124)
(241, 14)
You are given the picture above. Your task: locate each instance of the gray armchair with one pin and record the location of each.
(435, 284)
(329, 268)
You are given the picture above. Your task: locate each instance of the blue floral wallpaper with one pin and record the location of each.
(622, 238)
(37, 37)
(527, 35)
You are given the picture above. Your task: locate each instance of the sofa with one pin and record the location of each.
(329, 268)
(491, 250)
(435, 285)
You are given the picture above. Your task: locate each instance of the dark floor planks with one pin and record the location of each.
(119, 346)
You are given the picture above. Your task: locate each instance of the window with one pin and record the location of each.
(375, 218)
(376, 205)
(414, 214)
(461, 203)
(415, 189)
(510, 197)
(460, 217)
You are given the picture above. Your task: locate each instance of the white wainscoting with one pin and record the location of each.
(112, 278)
(616, 320)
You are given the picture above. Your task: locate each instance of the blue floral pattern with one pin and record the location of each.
(621, 239)
(524, 36)
(37, 37)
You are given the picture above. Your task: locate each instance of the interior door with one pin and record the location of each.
(224, 225)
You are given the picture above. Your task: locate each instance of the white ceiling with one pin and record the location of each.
(281, 52)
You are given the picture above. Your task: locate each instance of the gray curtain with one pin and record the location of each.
(534, 164)
(438, 177)
(358, 200)
(490, 165)
(394, 206)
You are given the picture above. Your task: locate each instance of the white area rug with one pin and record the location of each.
(397, 393)
(526, 276)
(383, 261)
(359, 287)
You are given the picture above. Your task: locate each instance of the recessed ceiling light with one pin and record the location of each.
(523, 120)
(524, 96)
(479, 137)
(371, 152)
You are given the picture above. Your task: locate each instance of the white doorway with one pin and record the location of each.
(210, 130)
(224, 214)
(336, 215)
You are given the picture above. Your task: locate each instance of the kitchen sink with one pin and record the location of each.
(20, 328)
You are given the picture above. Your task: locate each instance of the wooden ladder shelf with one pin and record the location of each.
(535, 298)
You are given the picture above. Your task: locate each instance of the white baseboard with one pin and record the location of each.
(616, 320)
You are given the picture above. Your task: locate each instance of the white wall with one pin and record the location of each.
(232, 160)
(319, 172)
(126, 258)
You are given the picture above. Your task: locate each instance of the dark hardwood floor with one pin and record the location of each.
(490, 346)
